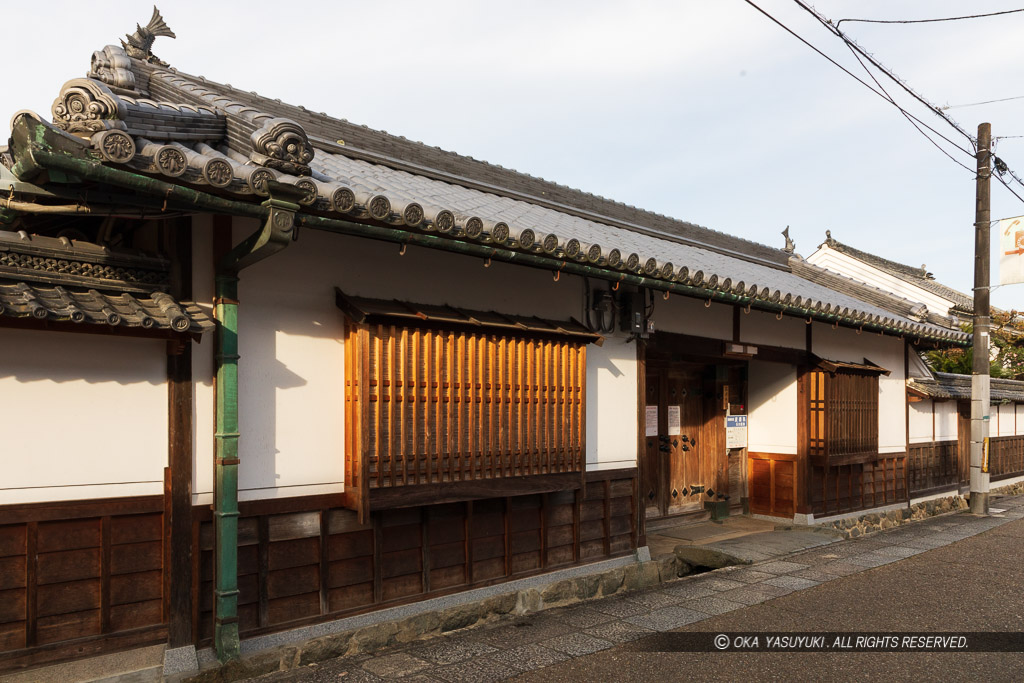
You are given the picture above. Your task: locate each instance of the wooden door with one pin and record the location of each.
(652, 475)
(685, 460)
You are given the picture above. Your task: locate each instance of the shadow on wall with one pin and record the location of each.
(37, 355)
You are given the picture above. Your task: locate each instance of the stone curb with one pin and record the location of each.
(632, 577)
(853, 527)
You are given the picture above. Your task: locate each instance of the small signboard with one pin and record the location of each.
(735, 431)
(1011, 250)
(674, 424)
(651, 421)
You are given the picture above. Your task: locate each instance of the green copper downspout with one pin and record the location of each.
(274, 235)
(225, 512)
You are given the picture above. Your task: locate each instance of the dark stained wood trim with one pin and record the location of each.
(783, 457)
(179, 457)
(325, 515)
(21, 513)
(456, 491)
(425, 546)
(667, 348)
(803, 472)
(610, 475)
(31, 562)
(263, 563)
(639, 507)
(607, 532)
(469, 541)
(81, 648)
(105, 552)
(378, 542)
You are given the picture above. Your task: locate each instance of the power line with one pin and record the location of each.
(849, 41)
(860, 80)
(905, 114)
(928, 21)
(975, 104)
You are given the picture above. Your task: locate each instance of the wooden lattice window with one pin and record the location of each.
(843, 416)
(436, 405)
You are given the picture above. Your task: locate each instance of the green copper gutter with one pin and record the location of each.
(182, 195)
(276, 232)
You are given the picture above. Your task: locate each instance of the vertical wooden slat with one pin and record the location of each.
(378, 542)
(414, 408)
(494, 429)
(607, 517)
(31, 579)
(362, 468)
(581, 419)
(325, 514)
(404, 452)
(523, 412)
(105, 552)
(263, 555)
(450, 361)
(438, 406)
(472, 418)
(469, 541)
(378, 344)
(392, 398)
(425, 545)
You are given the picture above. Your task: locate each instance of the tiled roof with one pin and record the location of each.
(371, 176)
(915, 276)
(58, 279)
(953, 386)
(156, 311)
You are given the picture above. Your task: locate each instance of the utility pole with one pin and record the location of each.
(980, 380)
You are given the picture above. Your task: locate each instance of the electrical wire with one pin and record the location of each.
(978, 104)
(920, 98)
(926, 136)
(858, 78)
(928, 21)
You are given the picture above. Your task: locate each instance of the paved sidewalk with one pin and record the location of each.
(527, 644)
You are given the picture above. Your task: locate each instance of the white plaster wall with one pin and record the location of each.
(291, 371)
(85, 416)
(758, 327)
(888, 352)
(684, 315)
(1006, 420)
(840, 263)
(921, 422)
(1019, 409)
(945, 421)
(772, 393)
(611, 405)
(202, 362)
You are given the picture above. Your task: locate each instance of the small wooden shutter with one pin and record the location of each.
(843, 416)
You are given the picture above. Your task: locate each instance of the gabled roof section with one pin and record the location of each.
(919, 277)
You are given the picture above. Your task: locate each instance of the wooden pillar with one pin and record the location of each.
(179, 456)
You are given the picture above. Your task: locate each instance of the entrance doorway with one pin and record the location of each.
(686, 464)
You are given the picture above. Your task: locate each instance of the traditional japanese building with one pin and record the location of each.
(269, 368)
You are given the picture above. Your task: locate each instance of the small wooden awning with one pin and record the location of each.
(362, 309)
(865, 368)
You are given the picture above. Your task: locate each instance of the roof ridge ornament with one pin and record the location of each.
(140, 43)
(790, 244)
(282, 144)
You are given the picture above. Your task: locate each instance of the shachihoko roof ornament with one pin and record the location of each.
(140, 43)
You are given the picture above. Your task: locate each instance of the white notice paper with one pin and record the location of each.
(1011, 250)
(674, 425)
(652, 421)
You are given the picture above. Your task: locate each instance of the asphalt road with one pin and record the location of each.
(975, 584)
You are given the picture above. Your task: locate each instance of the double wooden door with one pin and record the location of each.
(685, 460)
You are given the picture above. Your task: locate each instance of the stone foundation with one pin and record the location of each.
(632, 577)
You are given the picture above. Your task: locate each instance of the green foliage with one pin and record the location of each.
(1007, 350)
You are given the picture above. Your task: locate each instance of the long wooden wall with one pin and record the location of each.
(80, 578)
(933, 466)
(307, 559)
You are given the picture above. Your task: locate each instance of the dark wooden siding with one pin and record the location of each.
(932, 467)
(306, 560)
(80, 578)
(859, 486)
(1006, 457)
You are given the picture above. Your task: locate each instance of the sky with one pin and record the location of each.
(704, 110)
